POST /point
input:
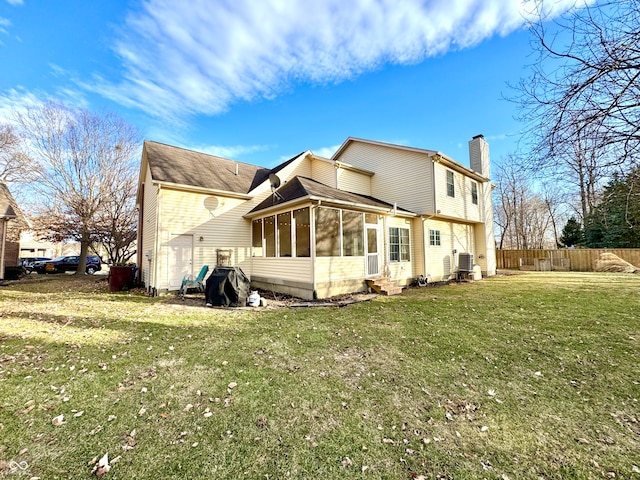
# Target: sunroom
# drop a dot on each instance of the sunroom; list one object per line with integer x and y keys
{"x": 314, "y": 241}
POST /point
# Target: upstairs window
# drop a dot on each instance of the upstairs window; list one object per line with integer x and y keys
{"x": 451, "y": 189}
{"x": 474, "y": 193}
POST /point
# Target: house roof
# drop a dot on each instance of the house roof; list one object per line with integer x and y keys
{"x": 180, "y": 166}
{"x": 302, "y": 187}
{"x": 436, "y": 155}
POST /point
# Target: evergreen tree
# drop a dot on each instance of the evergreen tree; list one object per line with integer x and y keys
{"x": 615, "y": 222}
{"x": 572, "y": 234}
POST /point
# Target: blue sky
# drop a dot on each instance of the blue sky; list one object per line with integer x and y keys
{"x": 261, "y": 80}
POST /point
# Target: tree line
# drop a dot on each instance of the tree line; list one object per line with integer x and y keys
{"x": 575, "y": 179}
{"x": 76, "y": 169}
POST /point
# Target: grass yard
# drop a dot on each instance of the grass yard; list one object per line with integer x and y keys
{"x": 531, "y": 376}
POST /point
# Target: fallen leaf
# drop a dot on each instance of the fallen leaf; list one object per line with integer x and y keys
{"x": 233, "y": 385}
{"x": 142, "y": 411}
{"x": 102, "y": 467}
{"x": 59, "y": 420}
{"x": 96, "y": 430}
{"x": 347, "y": 462}
{"x": 28, "y": 409}
{"x": 188, "y": 407}
{"x": 111, "y": 418}
{"x": 484, "y": 428}
{"x": 78, "y": 414}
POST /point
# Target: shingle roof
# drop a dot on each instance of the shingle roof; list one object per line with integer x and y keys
{"x": 186, "y": 167}
{"x": 300, "y": 187}
{"x": 6, "y": 203}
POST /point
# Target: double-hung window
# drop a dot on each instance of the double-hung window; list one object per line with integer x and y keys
{"x": 399, "y": 244}
{"x": 451, "y": 189}
{"x": 434, "y": 238}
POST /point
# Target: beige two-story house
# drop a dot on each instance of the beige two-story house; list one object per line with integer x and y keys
{"x": 316, "y": 227}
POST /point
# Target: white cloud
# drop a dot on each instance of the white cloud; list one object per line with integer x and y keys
{"x": 326, "y": 152}
{"x": 202, "y": 58}
{"x": 19, "y": 100}
{"x": 230, "y": 151}
{"x": 16, "y": 101}
{"x": 15, "y": 2}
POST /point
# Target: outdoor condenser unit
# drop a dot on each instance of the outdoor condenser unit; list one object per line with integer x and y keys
{"x": 465, "y": 262}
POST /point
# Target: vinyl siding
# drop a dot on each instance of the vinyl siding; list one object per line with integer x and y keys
{"x": 400, "y": 271}
{"x": 441, "y": 261}
{"x": 339, "y": 268}
{"x": 354, "y": 182}
{"x": 278, "y": 269}
{"x": 401, "y": 176}
{"x": 459, "y": 206}
{"x": 186, "y": 213}
{"x": 149, "y": 226}
{"x": 417, "y": 247}
{"x": 324, "y": 172}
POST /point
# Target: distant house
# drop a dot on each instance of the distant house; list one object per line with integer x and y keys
{"x": 315, "y": 227}
{"x": 12, "y": 222}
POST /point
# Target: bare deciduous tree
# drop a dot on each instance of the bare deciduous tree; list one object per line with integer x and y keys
{"x": 525, "y": 219}
{"x": 116, "y": 226}
{"x": 582, "y": 101}
{"x": 585, "y": 86}
{"x": 15, "y": 166}
{"x": 82, "y": 160}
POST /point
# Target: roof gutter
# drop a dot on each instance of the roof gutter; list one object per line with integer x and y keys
{"x": 453, "y": 165}
{"x": 326, "y": 201}
{"x": 210, "y": 191}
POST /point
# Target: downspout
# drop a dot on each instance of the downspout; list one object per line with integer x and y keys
{"x": 425, "y": 236}
{"x": 156, "y": 243}
{"x": 385, "y": 245}
{"x": 312, "y": 247}
{"x": 3, "y": 240}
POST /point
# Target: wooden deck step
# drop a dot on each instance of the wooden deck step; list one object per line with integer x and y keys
{"x": 384, "y": 286}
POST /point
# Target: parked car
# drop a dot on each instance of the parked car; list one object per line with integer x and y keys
{"x": 68, "y": 263}
{"x": 27, "y": 262}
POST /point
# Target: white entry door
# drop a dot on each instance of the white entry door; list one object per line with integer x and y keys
{"x": 180, "y": 259}
{"x": 373, "y": 262}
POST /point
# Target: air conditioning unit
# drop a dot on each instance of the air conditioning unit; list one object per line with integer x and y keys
{"x": 465, "y": 262}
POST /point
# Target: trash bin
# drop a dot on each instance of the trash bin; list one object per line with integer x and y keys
{"x": 120, "y": 277}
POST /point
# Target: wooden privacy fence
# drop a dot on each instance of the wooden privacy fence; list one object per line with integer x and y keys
{"x": 577, "y": 260}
